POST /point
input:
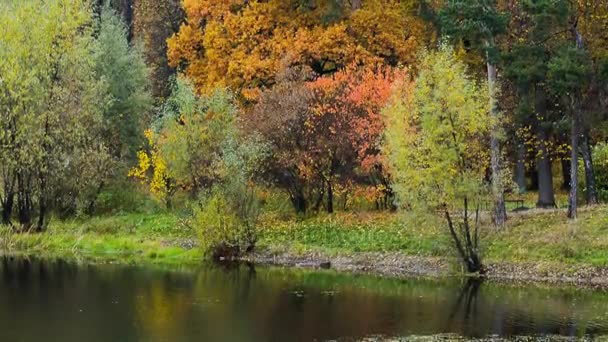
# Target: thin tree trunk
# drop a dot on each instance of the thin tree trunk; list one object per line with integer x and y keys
{"x": 576, "y": 121}
{"x": 355, "y": 5}
{"x": 520, "y": 167}
{"x": 572, "y": 197}
{"x": 500, "y": 212}
{"x": 8, "y": 200}
{"x": 591, "y": 189}
{"x": 24, "y": 201}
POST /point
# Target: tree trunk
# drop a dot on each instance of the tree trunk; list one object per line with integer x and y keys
{"x": 42, "y": 215}
{"x": 355, "y": 5}
{"x": 520, "y": 167}
{"x": 565, "y": 173}
{"x": 319, "y": 200}
{"x": 298, "y": 200}
{"x": 129, "y": 19}
{"x": 533, "y": 175}
{"x": 8, "y": 200}
{"x": 576, "y": 121}
{"x": 591, "y": 189}
{"x": 546, "y": 195}
{"x": 469, "y": 249}
{"x": 7, "y": 207}
{"x": 330, "y": 197}
{"x": 572, "y": 197}
{"x": 500, "y": 212}
{"x": 24, "y": 201}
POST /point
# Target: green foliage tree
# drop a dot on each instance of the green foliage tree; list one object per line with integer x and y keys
{"x": 478, "y": 22}
{"x": 526, "y": 65}
{"x": 227, "y": 215}
{"x": 569, "y": 74}
{"x": 51, "y": 102}
{"x": 437, "y": 143}
{"x": 122, "y": 66}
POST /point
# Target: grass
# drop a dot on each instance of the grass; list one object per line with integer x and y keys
{"x": 533, "y": 236}
{"x": 127, "y": 238}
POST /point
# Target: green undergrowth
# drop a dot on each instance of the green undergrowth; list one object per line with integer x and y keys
{"x": 129, "y": 238}
{"x": 534, "y": 236}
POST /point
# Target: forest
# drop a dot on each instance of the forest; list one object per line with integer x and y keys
{"x": 225, "y": 129}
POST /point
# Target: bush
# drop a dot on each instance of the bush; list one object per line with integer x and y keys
{"x": 227, "y": 222}
{"x": 227, "y": 216}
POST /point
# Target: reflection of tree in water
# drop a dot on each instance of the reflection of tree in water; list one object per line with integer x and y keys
{"x": 466, "y": 307}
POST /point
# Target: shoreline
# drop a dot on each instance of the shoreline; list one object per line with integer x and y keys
{"x": 400, "y": 266}
{"x": 391, "y": 265}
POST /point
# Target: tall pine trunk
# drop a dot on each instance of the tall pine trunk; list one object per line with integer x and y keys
{"x": 500, "y": 212}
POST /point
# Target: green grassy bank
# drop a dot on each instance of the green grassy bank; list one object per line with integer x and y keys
{"x": 544, "y": 238}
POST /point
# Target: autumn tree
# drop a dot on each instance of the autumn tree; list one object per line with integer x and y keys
{"x": 243, "y": 45}
{"x": 185, "y": 144}
{"x": 479, "y": 23}
{"x": 325, "y": 132}
{"x": 437, "y": 143}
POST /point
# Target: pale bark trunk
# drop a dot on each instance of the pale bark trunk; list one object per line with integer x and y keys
{"x": 572, "y": 197}
{"x": 576, "y": 121}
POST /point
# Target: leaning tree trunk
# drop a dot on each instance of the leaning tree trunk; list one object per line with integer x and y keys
{"x": 574, "y": 133}
{"x": 591, "y": 189}
{"x": 468, "y": 250}
{"x": 500, "y": 212}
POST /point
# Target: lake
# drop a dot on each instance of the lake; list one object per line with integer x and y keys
{"x": 65, "y": 301}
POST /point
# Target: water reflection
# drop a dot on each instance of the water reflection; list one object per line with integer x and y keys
{"x": 241, "y": 303}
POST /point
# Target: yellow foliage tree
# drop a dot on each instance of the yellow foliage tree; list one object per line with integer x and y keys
{"x": 244, "y": 44}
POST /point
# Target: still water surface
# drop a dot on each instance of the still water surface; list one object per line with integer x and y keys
{"x": 61, "y": 301}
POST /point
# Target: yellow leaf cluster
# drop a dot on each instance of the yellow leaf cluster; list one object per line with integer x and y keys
{"x": 243, "y": 45}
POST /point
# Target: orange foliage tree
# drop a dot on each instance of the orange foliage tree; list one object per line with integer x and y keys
{"x": 244, "y": 44}
{"x": 326, "y": 133}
